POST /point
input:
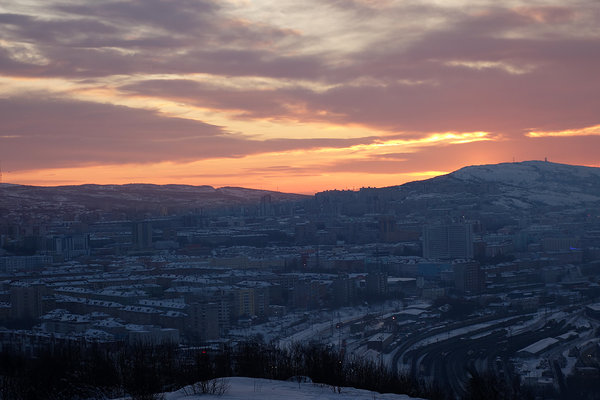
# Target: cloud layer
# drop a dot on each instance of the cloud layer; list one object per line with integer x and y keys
{"x": 353, "y": 89}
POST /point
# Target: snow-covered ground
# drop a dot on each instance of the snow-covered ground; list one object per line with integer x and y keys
{"x": 265, "y": 389}
{"x": 528, "y": 183}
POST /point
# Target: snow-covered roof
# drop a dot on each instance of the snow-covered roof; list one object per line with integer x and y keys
{"x": 594, "y": 307}
{"x": 539, "y": 346}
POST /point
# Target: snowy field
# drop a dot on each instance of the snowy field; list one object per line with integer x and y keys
{"x": 265, "y": 389}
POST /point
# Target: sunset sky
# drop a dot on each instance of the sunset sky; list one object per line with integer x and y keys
{"x": 296, "y": 96}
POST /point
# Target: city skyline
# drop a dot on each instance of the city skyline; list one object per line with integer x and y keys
{"x": 298, "y": 98}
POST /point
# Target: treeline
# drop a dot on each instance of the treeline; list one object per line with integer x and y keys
{"x": 326, "y": 365}
{"x": 143, "y": 371}
{"x": 74, "y": 372}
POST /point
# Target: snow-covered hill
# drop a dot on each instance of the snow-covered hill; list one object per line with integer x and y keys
{"x": 528, "y": 173}
{"x": 538, "y": 181}
{"x": 520, "y": 185}
{"x": 264, "y": 389}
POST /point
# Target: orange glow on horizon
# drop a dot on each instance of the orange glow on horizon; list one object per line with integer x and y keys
{"x": 171, "y": 173}
{"x": 296, "y": 171}
{"x": 267, "y": 94}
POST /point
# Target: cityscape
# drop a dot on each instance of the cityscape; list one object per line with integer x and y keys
{"x": 316, "y": 199}
{"x": 476, "y": 272}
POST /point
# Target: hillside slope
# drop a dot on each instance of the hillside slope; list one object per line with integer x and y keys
{"x": 515, "y": 185}
{"x": 265, "y": 389}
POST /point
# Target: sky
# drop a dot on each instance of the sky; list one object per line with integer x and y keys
{"x": 295, "y": 96}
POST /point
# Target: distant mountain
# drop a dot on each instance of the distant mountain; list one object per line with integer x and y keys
{"x": 513, "y": 188}
{"x": 520, "y": 185}
{"x": 132, "y": 197}
{"x": 523, "y": 186}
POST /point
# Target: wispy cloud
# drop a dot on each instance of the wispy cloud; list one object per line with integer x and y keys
{"x": 481, "y": 65}
{"x": 587, "y": 131}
